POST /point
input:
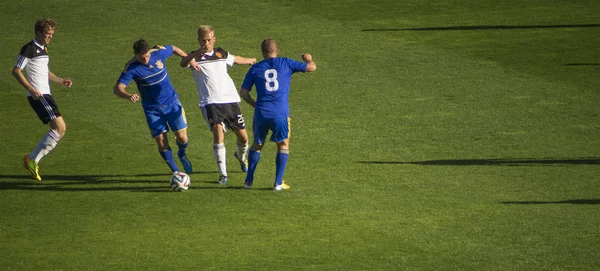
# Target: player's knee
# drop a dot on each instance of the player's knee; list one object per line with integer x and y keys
{"x": 256, "y": 147}
{"x": 163, "y": 147}
{"x": 243, "y": 139}
{"x": 182, "y": 138}
{"x": 61, "y": 132}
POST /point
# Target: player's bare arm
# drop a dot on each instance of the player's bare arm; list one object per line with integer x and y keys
{"x": 240, "y": 60}
{"x": 311, "y": 66}
{"x": 60, "y": 80}
{"x": 245, "y": 94}
{"x": 119, "y": 90}
{"x": 189, "y": 61}
{"x": 35, "y": 94}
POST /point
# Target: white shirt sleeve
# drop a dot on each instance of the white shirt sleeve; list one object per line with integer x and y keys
{"x": 21, "y": 62}
{"x": 230, "y": 60}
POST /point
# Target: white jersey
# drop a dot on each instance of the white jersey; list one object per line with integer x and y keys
{"x": 34, "y": 59}
{"x": 212, "y": 81}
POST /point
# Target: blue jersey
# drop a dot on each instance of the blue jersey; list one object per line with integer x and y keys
{"x": 272, "y": 79}
{"x": 153, "y": 81}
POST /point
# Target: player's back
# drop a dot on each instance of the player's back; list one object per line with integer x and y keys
{"x": 272, "y": 78}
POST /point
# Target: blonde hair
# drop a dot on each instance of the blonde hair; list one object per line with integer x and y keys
{"x": 205, "y": 29}
{"x": 44, "y": 24}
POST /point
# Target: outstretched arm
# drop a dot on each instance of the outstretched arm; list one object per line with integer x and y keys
{"x": 119, "y": 90}
{"x": 311, "y": 66}
{"x": 188, "y": 59}
{"x": 245, "y": 94}
{"x": 244, "y": 60}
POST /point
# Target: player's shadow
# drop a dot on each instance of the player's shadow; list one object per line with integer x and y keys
{"x": 582, "y": 64}
{"x": 496, "y": 162}
{"x": 481, "y": 27}
{"x": 77, "y": 183}
{"x": 572, "y": 201}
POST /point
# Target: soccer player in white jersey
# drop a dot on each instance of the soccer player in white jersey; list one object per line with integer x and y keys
{"x": 33, "y": 59}
{"x": 159, "y": 100}
{"x": 272, "y": 78}
{"x": 219, "y": 97}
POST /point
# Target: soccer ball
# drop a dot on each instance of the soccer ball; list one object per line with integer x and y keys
{"x": 180, "y": 181}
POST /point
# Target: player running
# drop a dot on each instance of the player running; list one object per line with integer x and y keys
{"x": 219, "y": 97}
{"x": 272, "y": 78}
{"x": 160, "y": 101}
{"x": 34, "y": 60}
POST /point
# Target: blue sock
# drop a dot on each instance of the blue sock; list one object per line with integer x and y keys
{"x": 280, "y": 162}
{"x": 253, "y": 158}
{"x": 182, "y": 148}
{"x": 168, "y": 157}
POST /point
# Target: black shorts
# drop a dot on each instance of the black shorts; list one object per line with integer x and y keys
{"x": 45, "y": 108}
{"x": 229, "y": 115}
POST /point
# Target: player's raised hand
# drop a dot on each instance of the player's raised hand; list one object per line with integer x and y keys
{"x": 306, "y": 57}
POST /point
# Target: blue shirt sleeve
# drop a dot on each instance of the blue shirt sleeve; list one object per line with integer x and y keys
{"x": 248, "y": 80}
{"x": 166, "y": 51}
{"x": 126, "y": 77}
{"x": 297, "y": 66}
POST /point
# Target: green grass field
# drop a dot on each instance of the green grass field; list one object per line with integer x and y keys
{"x": 434, "y": 135}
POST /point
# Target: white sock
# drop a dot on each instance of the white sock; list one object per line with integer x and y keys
{"x": 242, "y": 150}
{"x": 46, "y": 145}
{"x": 219, "y": 151}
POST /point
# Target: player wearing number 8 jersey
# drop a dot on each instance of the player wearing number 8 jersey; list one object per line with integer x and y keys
{"x": 272, "y": 78}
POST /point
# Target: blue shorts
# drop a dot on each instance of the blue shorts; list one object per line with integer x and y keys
{"x": 261, "y": 127}
{"x": 162, "y": 117}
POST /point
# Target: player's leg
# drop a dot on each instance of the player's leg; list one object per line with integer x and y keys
{"x": 235, "y": 121}
{"x": 281, "y": 160}
{"x": 49, "y": 140}
{"x": 260, "y": 129}
{"x": 214, "y": 114}
{"x": 242, "y": 149}
{"x": 182, "y": 144}
{"x": 165, "y": 151}
{"x": 157, "y": 122}
{"x": 253, "y": 159}
{"x": 220, "y": 152}
{"x": 178, "y": 123}
{"x": 48, "y": 113}
{"x": 281, "y": 135}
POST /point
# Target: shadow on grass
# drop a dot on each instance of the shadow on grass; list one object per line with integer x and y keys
{"x": 496, "y": 162}
{"x": 481, "y": 27}
{"x": 582, "y": 64}
{"x": 573, "y": 201}
{"x": 76, "y": 183}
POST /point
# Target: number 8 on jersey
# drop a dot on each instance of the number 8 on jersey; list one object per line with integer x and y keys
{"x": 271, "y": 77}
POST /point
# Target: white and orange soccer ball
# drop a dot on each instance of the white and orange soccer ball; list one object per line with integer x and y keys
{"x": 180, "y": 181}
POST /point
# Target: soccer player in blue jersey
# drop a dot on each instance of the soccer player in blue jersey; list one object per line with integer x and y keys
{"x": 34, "y": 60}
{"x": 272, "y": 78}
{"x": 159, "y": 99}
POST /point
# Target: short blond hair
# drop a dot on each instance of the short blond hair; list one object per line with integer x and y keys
{"x": 205, "y": 29}
{"x": 44, "y": 24}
